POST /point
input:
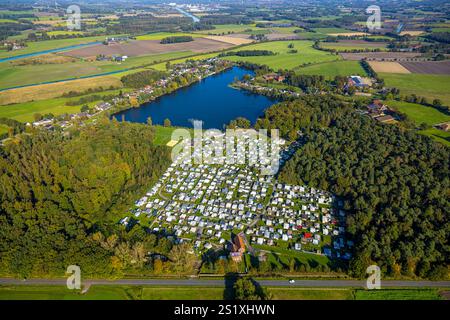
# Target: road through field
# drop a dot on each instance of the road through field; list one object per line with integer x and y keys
{"x": 223, "y": 282}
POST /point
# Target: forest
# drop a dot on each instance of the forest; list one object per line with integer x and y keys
{"x": 63, "y": 194}
{"x": 395, "y": 183}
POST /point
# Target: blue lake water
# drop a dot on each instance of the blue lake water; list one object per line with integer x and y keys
{"x": 210, "y": 100}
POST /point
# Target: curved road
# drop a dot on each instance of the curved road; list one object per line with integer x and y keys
{"x": 222, "y": 283}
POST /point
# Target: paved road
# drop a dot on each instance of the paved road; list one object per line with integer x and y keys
{"x": 221, "y": 283}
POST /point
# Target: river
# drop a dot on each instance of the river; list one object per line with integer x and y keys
{"x": 211, "y": 100}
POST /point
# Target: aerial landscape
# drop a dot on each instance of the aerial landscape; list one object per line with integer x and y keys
{"x": 225, "y": 150}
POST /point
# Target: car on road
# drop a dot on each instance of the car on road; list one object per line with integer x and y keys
{"x": 291, "y": 281}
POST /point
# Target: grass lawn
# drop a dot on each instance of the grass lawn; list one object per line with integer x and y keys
{"x": 430, "y": 86}
{"x": 332, "y": 69}
{"x": 182, "y": 293}
{"x": 310, "y": 294}
{"x": 283, "y": 59}
{"x": 419, "y": 113}
{"x": 398, "y": 294}
{"x": 164, "y": 134}
{"x": 281, "y": 256}
{"x": 438, "y": 135}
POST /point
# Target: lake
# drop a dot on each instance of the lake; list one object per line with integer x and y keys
{"x": 211, "y": 100}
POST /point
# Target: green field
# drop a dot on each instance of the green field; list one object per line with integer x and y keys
{"x": 24, "y": 112}
{"x": 284, "y": 60}
{"x": 438, "y": 135}
{"x": 429, "y": 86}
{"x": 11, "y": 75}
{"x": 419, "y": 113}
{"x": 49, "y": 44}
{"x": 310, "y": 294}
{"x": 332, "y": 30}
{"x": 342, "y": 46}
{"x": 98, "y": 292}
{"x": 398, "y": 294}
{"x": 182, "y": 293}
{"x": 332, "y": 69}
{"x": 163, "y": 134}
{"x": 230, "y": 28}
{"x": 280, "y": 256}
{"x": 3, "y": 129}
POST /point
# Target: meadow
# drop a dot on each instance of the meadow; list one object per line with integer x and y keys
{"x": 231, "y": 28}
{"x": 49, "y": 44}
{"x": 419, "y": 113}
{"x": 353, "y": 45}
{"x": 398, "y": 294}
{"x": 425, "y": 85}
{"x": 438, "y": 135}
{"x": 54, "y": 90}
{"x": 333, "y": 69}
{"x": 284, "y": 60}
{"x": 12, "y": 75}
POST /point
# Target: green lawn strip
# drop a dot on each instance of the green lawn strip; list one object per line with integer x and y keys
{"x": 310, "y": 294}
{"x": 419, "y": 113}
{"x": 430, "y": 86}
{"x": 182, "y": 293}
{"x": 397, "y": 294}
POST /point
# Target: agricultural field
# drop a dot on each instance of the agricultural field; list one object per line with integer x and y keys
{"x": 438, "y": 135}
{"x": 12, "y": 74}
{"x": 145, "y": 47}
{"x": 49, "y": 45}
{"x": 382, "y": 56}
{"x": 333, "y": 69}
{"x": 24, "y": 112}
{"x": 284, "y": 60}
{"x": 429, "y": 86}
{"x": 419, "y": 113}
{"x": 162, "y": 35}
{"x": 54, "y": 90}
{"x": 388, "y": 67}
{"x": 347, "y": 45}
{"x": 428, "y": 67}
